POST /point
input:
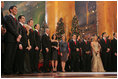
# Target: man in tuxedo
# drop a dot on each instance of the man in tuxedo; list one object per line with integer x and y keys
{"x": 105, "y": 51}
{"x": 32, "y": 43}
{"x": 37, "y": 46}
{"x": 46, "y": 49}
{"x": 114, "y": 52}
{"x": 23, "y": 44}
{"x": 80, "y": 52}
{"x": 3, "y": 31}
{"x": 86, "y": 53}
{"x": 12, "y": 38}
{"x": 74, "y": 47}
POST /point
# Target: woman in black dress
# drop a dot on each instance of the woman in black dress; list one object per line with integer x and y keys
{"x": 64, "y": 52}
{"x": 55, "y": 47}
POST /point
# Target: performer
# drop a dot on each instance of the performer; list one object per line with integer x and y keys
{"x": 64, "y": 52}
{"x": 105, "y": 51}
{"x": 55, "y": 46}
{"x": 3, "y": 31}
{"x": 27, "y": 67}
{"x": 37, "y": 47}
{"x": 86, "y": 52}
{"x": 21, "y": 46}
{"x": 80, "y": 53}
{"x": 97, "y": 65}
{"x": 75, "y": 50}
{"x": 114, "y": 52}
{"x": 32, "y": 43}
{"x": 46, "y": 49}
{"x": 12, "y": 37}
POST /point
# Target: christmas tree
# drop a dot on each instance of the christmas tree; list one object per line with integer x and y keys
{"x": 60, "y": 28}
{"x": 75, "y": 26}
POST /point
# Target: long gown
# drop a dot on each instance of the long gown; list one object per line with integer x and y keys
{"x": 97, "y": 65}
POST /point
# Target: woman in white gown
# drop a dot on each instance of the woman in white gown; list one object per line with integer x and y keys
{"x": 97, "y": 65}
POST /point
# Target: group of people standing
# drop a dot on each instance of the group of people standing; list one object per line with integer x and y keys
{"x": 23, "y": 45}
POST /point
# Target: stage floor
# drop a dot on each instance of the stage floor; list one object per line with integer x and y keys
{"x": 65, "y": 75}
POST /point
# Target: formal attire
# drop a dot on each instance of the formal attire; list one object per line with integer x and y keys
{"x": 64, "y": 50}
{"x": 74, "y": 55}
{"x": 54, "y": 50}
{"x": 80, "y": 55}
{"x": 97, "y": 65}
{"x": 31, "y": 52}
{"x": 20, "y": 54}
{"x": 46, "y": 43}
{"x": 114, "y": 50}
{"x": 38, "y": 44}
{"x": 105, "y": 56}
{"x": 2, "y": 41}
{"x": 11, "y": 43}
{"x": 86, "y": 57}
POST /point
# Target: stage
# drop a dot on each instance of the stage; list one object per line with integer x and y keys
{"x": 65, "y": 75}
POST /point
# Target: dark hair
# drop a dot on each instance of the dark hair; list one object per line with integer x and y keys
{"x": 35, "y": 26}
{"x": 11, "y": 7}
{"x": 114, "y": 34}
{"x": 53, "y": 36}
{"x": 103, "y": 33}
{"x": 19, "y": 17}
{"x": 29, "y": 20}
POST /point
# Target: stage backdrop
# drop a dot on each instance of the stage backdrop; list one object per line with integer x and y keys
{"x": 31, "y": 9}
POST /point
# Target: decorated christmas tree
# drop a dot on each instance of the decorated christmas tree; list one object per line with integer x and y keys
{"x": 75, "y": 26}
{"x": 60, "y": 28}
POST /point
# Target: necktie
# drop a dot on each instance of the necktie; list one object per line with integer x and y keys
{"x": 38, "y": 33}
{"x": 31, "y": 30}
{"x": 15, "y": 19}
{"x": 75, "y": 42}
{"x": 86, "y": 42}
{"x": 105, "y": 41}
{"x": 23, "y": 26}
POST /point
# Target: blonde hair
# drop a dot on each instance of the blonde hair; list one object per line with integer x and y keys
{"x": 27, "y": 28}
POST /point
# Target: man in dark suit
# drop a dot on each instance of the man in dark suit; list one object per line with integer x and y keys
{"x": 105, "y": 51}
{"x": 80, "y": 52}
{"x": 12, "y": 37}
{"x": 3, "y": 31}
{"x": 21, "y": 49}
{"x": 46, "y": 49}
{"x": 32, "y": 43}
{"x": 74, "y": 47}
{"x": 37, "y": 46}
{"x": 86, "y": 53}
{"x": 114, "y": 52}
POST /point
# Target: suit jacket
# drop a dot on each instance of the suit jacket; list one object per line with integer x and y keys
{"x": 24, "y": 40}
{"x": 46, "y": 43}
{"x": 114, "y": 45}
{"x": 12, "y": 30}
{"x": 37, "y": 39}
{"x": 31, "y": 38}
{"x": 104, "y": 45}
{"x": 73, "y": 46}
{"x": 85, "y": 47}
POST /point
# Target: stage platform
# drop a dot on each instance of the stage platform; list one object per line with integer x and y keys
{"x": 65, "y": 75}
